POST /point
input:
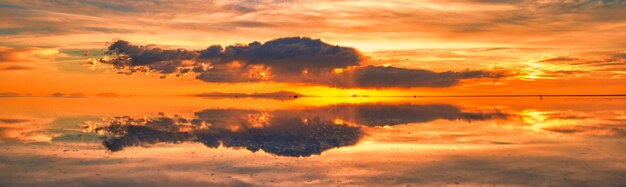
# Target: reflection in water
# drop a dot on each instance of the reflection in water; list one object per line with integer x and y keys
{"x": 284, "y": 136}
{"x": 265, "y": 142}
{"x": 380, "y": 115}
{"x": 21, "y": 128}
{"x": 302, "y": 132}
{"x": 596, "y": 123}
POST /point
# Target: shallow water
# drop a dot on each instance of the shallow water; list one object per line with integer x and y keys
{"x": 154, "y": 141}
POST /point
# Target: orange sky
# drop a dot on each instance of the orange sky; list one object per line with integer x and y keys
{"x": 546, "y": 47}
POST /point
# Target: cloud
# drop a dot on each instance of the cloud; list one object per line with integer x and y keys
{"x": 291, "y": 60}
{"x": 9, "y": 94}
{"x": 9, "y": 55}
{"x": 76, "y": 94}
{"x": 497, "y": 23}
{"x": 288, "y": 55}
{"x": 284, "y": 55}
{"x": 107, "y": 94}
{"x": 13, "y": 120}
{"x": 384, "y": 77}
{"x": 605, "y": 64}
{"x": 559, "y": 59}
{"x": 31, "y": 58}
{"x": 356, "y": 77}
{"x": 160, "y": 60}
{"x": 16, "y": 68}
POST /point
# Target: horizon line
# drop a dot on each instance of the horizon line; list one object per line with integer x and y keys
{"x": 287, "y": 96}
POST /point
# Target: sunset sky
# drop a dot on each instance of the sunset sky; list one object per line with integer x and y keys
{"x": 329, "y": 48}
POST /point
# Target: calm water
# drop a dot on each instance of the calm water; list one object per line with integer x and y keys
{"x": 187, "y": 141}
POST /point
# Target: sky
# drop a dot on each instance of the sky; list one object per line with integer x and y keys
{"x": 325, "y": 48}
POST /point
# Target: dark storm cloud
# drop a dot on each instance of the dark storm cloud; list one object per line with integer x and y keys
{"x": 225, "y": 74}
{"x": 146, "y": 55}
{"x": 292, "y": 60}
{"x": 135, "y": 58}
{"x": 287, "y": 55}
{"x": 383, "y": 77}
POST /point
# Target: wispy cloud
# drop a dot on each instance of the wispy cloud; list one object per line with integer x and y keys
{"x": 606, "y": 65}
{"x": 21, "y": 59}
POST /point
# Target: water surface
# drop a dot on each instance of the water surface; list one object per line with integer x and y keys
{"x": 148, "y": 141}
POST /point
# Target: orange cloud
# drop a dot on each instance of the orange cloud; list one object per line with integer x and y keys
{"x": 20, "y": 59}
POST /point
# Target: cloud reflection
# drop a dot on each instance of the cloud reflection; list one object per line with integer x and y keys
{"x": 286, "y": 136}
{"x": 303, "y": 132}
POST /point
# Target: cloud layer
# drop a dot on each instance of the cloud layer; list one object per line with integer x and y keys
{"x": 554, "y": 23}
{"x": 291, "y": 60}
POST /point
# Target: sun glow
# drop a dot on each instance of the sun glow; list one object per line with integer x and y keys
{"x": 532, "y": 72}
{"x": 341, "y": 70}
{"x": 343, "y": 122}
{"x": 259, "y": 72}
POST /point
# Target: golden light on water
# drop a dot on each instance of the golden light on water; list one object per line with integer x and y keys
{"x": 397, "y": 136}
